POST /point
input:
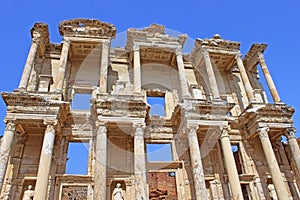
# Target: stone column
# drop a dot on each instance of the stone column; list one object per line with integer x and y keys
{"x": 211, "y": 75}
{"x": 245, "y": 79}
{"x": 137, "y": 69}
{"x": 140, "y": 163}
{"x": 41, "y": 186}
{"x": 259, "y": 188}
{"x": 268, "y": 77}
{"x": 277, "y": 178}
{"x": 181, "y": 73}
{"x": 104, "y": 66}
{"x": 5, "y": 148}
{"x": 230, "y": 164}
{"x": 196, "y": 162}
{"x": 294, "y": 147}
{"x": 100, "y": 162}
{"x": 60, "y": 76}
{"x": 30, "y": 61}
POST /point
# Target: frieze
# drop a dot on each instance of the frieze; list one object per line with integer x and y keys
{"x": 87, "y": 27}
{"x": 74, "y": 192}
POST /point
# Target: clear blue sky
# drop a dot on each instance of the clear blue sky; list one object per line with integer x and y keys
{"x": 276, "y": 23}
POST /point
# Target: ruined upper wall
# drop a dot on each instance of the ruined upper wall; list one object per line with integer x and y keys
{"x": 87, "y": 28}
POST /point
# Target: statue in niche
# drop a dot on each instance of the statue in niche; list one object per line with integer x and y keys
{"x": 118, "y": 192}
{"x": 28, "y": 194}
{"x": 272, "y": 192}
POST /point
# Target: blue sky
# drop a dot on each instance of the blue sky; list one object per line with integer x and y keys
{"x": 276, "y": 23}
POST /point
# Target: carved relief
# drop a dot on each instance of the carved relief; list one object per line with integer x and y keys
{"x": 74, "y": 192}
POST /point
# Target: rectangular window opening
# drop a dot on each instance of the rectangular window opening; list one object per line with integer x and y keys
{"x": 236, "y": 153}
{"x": 157, "y": 104}
{"x": 81, "y": 101}
{"x": 245, "y": 191}
{"x": 159, "y": 152}
{"x": 77, "y": 158}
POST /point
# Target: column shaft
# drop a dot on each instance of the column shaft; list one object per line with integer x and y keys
{"x": 268, "y": 77}
{"x": 104, "y": 67}
{"x": 211, "y": 75}
{"x": 137, "y": 69}
{"x": 42, "y": 181}
{"x": 140, "y": 164}
{"x": 181, "y": 74}
{"x": 277, "y": 179}
{"x": 197, "y": 167}
{"x": 60, "y": 76}
{"x": 230, "y": 164}
{"x": 245, "y": 79}
{"x": 294, "y": 147}
{"x": 30, "y": 60}
{"x": 100, "y": 163}
{"x": 5, "y": 149}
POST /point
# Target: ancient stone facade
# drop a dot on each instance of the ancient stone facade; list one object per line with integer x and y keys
{"x": 228, "y": 140}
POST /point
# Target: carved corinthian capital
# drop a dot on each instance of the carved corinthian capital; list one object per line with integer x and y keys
{"x": 50, "y": 125}
{"x": 225, "y": 131}
{"x": 290, "y": 132}
{"x": 263, "y": 132}
{"x": 36, "y": 37}
{"x": 101, "y": 127}
{"x": 10, "y": 124}
{"x": 139, "y": 129}
{"x": 192, "y": 129}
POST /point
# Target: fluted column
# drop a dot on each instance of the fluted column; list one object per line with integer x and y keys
{"x": 244, "y": 76}
{"x": 277, "y": 178}
{"x": 5, "y": 148}
{"x": 211, "y": 75}
{"x": 181, "y": 74}
{"x": 137, "y": 81}
{"x": 60, "y": 76}
{"x": 140, "y": 163}
{"x": 100, "y": 162}
{"x": 42, "y": 180}
{"x": 104, "y": 66}
{"x": 230, "y": 164}
{"x": 268, "y": 77}
{"x": 30, "y": 61}
{"x": 196, "y": 161}
{"x": 294, "y": 147}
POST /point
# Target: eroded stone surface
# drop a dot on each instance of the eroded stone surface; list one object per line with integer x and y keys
{"x": 224, "y": 134}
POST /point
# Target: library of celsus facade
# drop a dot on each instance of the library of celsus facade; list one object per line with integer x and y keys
{"x": 228, "y": 136}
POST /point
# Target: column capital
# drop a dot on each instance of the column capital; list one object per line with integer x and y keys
{"x": 178, "y": 51}
{"x": 225, "y": 131}
{"x": 263, "y": 132}
{"x": 192, "y": 127}
{"x": 205, "y": 53}
{"x": 66, "y": 41}
{"x": 238, "y": 56}
{"x": 261, "y": 57}
{"x": 36, "y": 37}
{"x": 50, "y": 125}
{"x": 136, "y": 47}
{"x": 105, "y": 43}
{"x": 290, "y": 132}
{"x": 139, "y": 129}
{"x": 52, "y": 122}
{"x": 10, "y": 124}
{"x": 101, "y": 127}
